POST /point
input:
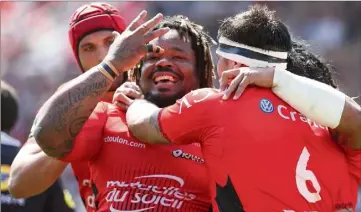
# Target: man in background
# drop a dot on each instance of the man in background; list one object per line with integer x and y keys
{"x": 90, "y": 35}
{"x": 51, "y": 200}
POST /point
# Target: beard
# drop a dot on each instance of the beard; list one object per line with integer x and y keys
{"x": 163, "y": 101}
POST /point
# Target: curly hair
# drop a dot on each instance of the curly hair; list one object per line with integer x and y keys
{"x": 304, "y": 63}
{"x": 201, "y": 43}
{"x": 257, "y": 27}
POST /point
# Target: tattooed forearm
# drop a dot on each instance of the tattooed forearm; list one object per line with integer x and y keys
{"x": 63, "y": 115}
{"x": 154, "y": 125}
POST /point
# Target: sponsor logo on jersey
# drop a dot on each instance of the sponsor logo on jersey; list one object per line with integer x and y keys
{"x": 180, "y": 154}
{"x": 147, "y": 193}
{"x": 286, "y": 113}
{"x": 119, "y": 140}
{"x": 266, "y": 106}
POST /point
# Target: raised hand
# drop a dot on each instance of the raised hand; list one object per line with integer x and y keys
{"x": 130, "y": 46}
{"x": 238, "y": 79}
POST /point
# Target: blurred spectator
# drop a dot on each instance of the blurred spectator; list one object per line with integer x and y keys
{"x": 52, "y": 200}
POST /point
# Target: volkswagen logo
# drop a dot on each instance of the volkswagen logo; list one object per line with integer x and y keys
{"x": 266, "y": 106}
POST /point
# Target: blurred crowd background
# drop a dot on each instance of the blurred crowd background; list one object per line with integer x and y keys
{"x": 36, "y": 56}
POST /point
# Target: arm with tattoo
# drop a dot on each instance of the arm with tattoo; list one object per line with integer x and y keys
{"x": 142, "y": 119}
{"x": 187, "y": 121}
{"x": 63, "y": 115}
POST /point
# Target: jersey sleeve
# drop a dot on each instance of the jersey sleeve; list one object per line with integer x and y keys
{"x": 82, "y": 175}
{"x": 188, "y": 120}
{"x": 89, "y": 140}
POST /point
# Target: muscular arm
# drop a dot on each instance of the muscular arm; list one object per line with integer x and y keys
{"x": 322, "y": 104}
{"x": 184, "y": 122}
{"x": 142, "y": 119}
{"x": 349, "y": 129}
{"x": 32, "y": 171}
{"x": 64, "y": 113}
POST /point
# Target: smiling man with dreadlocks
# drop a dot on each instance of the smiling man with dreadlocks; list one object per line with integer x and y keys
{"x": 182, "y": 68}
{"x": 126, "y": 174}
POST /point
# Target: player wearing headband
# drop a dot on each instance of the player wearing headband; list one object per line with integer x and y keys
{"x": 262, "y": 154}
{"x": 125, "y": 173}
{"x": 90, "y": 35}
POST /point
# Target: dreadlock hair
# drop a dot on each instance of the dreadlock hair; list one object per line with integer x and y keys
{"x": 304, "y": 63}
{"x": 257, "y": 27}
{"x": 201, "y": 43}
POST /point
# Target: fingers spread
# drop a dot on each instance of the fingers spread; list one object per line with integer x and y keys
{"x": 155, "y": 34}
{"x": 144, "y": 28}
{"x": 138, "y": 20}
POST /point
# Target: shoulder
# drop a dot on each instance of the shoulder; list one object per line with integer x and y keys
{"x": 205, "y": 92}
{"x": 213, "y": 97}
{"x": 256, "y": 93}
{"x": 200, "y": 96}
{"x": 255, "y": 99}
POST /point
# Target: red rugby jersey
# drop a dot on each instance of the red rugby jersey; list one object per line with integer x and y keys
{"x": 82, "y": 174}
{"x": 128, "y": 175}
{"x": 263, "y": 155}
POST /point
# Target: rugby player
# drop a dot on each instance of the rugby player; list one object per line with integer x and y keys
{"x": 127, "y": 174}
{"x": 52, "y": 199}
{"x": 90, "y": 35}
{"x": 261, "y": 153}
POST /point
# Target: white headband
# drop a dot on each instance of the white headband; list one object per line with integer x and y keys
{"x": 281, "y": 55}
{"x": 248, "y": 61}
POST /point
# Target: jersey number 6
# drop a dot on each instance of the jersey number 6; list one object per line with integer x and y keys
{"x": 302, "y": 175}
